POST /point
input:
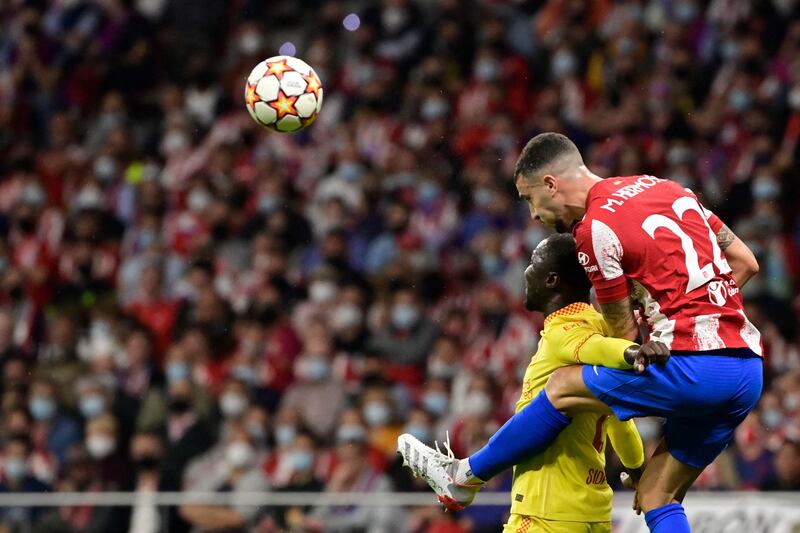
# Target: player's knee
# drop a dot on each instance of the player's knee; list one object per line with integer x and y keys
{"x": 649, "y": 500}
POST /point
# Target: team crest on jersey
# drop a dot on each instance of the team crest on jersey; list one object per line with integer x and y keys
{"x": 716, "y": 293}
{"x": 583, "y": 258}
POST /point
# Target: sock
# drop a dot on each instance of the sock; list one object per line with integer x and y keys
{"x": 465, "y": 475}
{"x": 524, "y": 435}
{"x": 668, "y": 519}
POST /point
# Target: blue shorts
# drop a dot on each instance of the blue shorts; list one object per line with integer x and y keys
{"x": 703, "y": 398}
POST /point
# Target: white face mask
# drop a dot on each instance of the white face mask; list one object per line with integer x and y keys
{"x": 100, "y": 446}
{"x": 322, "y": 291}
{"x": 239, "y": 455}
{"x": 198, "y": 200}
{"x": 232, "y": 404}
{"x": 478, "y": 404}
{"x": 174, "y": 141}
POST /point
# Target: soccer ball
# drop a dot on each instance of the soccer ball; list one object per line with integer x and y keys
{"x": 283, "y": 94}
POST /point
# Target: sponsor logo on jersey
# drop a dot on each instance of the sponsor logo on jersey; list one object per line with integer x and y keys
{"x": 716, "y": 293}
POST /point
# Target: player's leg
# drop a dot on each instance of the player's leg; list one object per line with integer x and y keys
{"x": 661, "y": 491}
{"x": 692, "y": 443}
{"x": 535, "y": 427}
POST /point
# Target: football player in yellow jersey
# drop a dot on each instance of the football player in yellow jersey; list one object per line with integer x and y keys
{"x": 564, "y": 488}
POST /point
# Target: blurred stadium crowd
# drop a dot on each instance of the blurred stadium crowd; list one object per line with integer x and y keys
{"x": 191, "y": 303}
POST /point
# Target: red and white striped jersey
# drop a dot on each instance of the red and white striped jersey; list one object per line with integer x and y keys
{"x": 650, "y": 238}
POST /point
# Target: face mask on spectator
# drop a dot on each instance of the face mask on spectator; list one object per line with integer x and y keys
{"x": 249, "y": 43}
{"x": 739, "y": 99}
{"x": 301, "y": 460}
{"x": 377, "y": 413}
{"x": 284, "y": 434}
{"x": 440, "y": 369}
{"x": 349, "y": 170}
{"x": 428, "y": 192}
{"x": 686, "y": 11}
{"x": 177, "y": 371}
{"x": 239, "y": 454}
{"x": 404, "y": 316}
{"x": 794, "y": 98}
{"x": 564, "y": 64}
{"x": 478, "y": 404}
{"x": 92, "y": 405}
{"x": 198, "y": 200}
{"x": 232, "y": 404}
{"x": 491, "y": 264}
{"x": 174, "y": 141}
{"x": 393, "y": 18}
{"x": 433, "y": 108}
{"x": 771, "y": 418}
{"x": 347, "y": 316}
{"x": 483, "y": 197}
{"x": 244, "y": 373}
{"x": 791, "y": 402}
{"x": 314, "y": 368}
{"x": 350, "y": 433}
{"x": 423, "y": 433}
{"x": 487, "y": 70}
{"x": 105, "y": 168}
{"x": 322, "y": 291}
{"x": 257, "y": 432}
{"x": 15, "y": 468}
{"x": 100, "y": 446}
{"x": 42, "y": 407}
{"x": 267, "y": 204}
{"x": 766, "y": 188}
{"x": 729, "y": 50}
{"x": 435, "y": 402}
{"x": 33, "y": 195}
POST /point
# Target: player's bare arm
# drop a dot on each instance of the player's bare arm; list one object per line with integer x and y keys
{"x": 740, "y": 258}
{"x": 619, "y": 316}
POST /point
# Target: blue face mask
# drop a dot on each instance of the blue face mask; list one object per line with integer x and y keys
{"x": 284, "y": 435}
{"x": 267, "y": 204}
{"x": 435, "y": 403}
{"x": 301, "y": 461}
{"x": 147, "y": 238}
{"x": 15, "y": 468}
{"x": 177, "y": 371}
{"x": 316, "y": 368}
{"x": 377, "y": 413}
{"x": 91, "y": 406}
{"x": 491, "y": 264}
{"x": 771, "y": 418}
{"x": 350, "y": 433}
{"x": 739, "y": 99}
{"x": 404, "y": 316}
{"x": 423, "y": 433}
{"x": 428, "y": 192}
{"x": 42, "y": 408}
{"x": 244, "y": 374}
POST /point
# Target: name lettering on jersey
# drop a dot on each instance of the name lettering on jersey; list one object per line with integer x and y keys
{"x": 592, "y": 268}
{"x": 596, "y": 477}
{"x": 629, "y": 191}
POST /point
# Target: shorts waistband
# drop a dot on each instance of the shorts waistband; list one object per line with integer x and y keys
{"x": 739, "y": 353}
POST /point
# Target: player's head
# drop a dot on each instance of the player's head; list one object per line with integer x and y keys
{"x": 554, "y": 270}
{"x": 545, "y": 176}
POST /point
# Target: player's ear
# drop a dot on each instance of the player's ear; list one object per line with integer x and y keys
{"x": 552, "y": 280}
{"x": 550, "y": 182}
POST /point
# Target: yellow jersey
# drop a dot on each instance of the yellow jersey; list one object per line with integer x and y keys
{"x": 567, "y": 481}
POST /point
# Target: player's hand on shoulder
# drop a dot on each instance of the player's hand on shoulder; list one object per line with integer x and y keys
{"x": 648, "y": 353}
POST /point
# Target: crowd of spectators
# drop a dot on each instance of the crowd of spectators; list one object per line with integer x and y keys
{"x": 190, "y": 302}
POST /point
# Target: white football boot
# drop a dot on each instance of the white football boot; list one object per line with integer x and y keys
{"x": 439, "y": 470}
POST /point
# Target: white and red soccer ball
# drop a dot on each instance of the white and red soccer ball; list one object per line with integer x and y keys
{"x": 283, "y": 94}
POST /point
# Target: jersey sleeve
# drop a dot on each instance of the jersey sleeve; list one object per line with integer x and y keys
{"x": 580, "y": 344}
{"x": 600, "y": 253}
{"x": 626, "y": 442}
